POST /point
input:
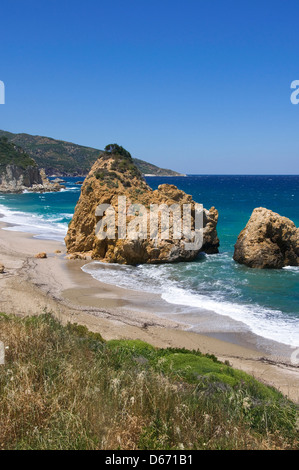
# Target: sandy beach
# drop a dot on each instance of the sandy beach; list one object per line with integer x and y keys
{"x": 31, "y": 286}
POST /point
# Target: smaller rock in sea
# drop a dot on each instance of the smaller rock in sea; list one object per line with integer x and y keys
{"x": 269, "y": 241}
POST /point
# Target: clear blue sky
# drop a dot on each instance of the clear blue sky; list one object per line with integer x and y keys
{"x": 197, "y": 86}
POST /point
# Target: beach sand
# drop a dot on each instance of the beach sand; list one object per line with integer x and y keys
{"x": 33, "y": 286}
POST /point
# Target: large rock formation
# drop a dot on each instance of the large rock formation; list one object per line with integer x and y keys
{"x": 19, "y": 172}
{"x": 113, "y": 175}
{"x": 268, "y": 241}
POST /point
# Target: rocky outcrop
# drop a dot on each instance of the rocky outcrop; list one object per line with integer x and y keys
{"x": 58, "y": 180}
{"x": 268, "y": 241}
{"x": 15, "y": 179}
{"x": 113, "y": 175}
{"x": 48, "y": 185}
{"x": 19, "y": 172}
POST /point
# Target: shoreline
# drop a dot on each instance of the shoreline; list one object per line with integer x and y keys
{"x": 32, "y": 286}
{"x": 211, "y": 323}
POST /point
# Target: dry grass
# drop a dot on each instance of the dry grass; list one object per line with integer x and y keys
{"x": 64, "y": 388}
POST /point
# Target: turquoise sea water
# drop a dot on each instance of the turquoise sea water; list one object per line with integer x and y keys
{"x": 266, "y": 302}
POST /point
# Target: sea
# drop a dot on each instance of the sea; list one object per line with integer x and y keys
{"x": 263, "y": 302}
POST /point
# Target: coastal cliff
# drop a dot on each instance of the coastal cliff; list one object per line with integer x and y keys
{"x": 269, "y": 241}
{"x": 19, "y": 172}
{"x": 113, "y": 175}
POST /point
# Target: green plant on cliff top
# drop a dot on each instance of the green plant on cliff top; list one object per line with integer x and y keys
{"x": 115, "y": 149}
{"x": 123, "y": 161}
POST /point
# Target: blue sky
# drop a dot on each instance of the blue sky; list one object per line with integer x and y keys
{"x": 197, "y": 86}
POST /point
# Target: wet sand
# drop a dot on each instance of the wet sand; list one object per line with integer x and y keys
{"x": 57, "y": 285}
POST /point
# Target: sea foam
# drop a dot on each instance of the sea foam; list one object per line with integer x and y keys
{"x": 266, "y": 322}
{"x": 43, "y": 228}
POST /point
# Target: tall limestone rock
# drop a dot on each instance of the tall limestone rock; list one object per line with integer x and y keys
{"x": 113, "y": 175}
{"x": 268, "y": 241}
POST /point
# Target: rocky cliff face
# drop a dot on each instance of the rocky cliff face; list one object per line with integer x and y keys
{"x": 15, "y": 179}
{"x": 268, "y": 241}
{"x": 114, "y": 175}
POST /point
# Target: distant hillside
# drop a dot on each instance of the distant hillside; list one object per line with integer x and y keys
{"x": 55, "y": 156}
{"x": 150, "y": 169}
{"x": 65, "y": 158}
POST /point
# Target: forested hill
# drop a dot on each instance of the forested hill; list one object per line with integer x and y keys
{"x": 11, "y": 154}
{"x": 68, "y": 159}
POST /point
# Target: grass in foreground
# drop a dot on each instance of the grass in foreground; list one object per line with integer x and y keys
{"x": 66, "y": 388}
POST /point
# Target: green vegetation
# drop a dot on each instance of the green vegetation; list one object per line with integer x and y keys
{"x": 114, "y": 149}
{"x": 193, "y": 366}
{"x": 122, "y": 168}
{"x": 123, "y": 161}
{"x": 64, "y": 387}
{"x": 56, "y": 156}
{"x": 11, "y": 154}
{"x": 89, "y": 189}
{"x": 66, "y": 158}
